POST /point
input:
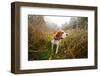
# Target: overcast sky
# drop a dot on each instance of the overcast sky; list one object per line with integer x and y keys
{"x": 57, "y": 19}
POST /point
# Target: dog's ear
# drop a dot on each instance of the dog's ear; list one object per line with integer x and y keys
{"x": 58, "y": 35}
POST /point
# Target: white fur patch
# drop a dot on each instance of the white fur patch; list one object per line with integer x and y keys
{"x": 55, "y": 41}
{"x": 64, "y": 35}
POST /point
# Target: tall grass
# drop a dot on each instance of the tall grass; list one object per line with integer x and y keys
{"x": 73, "y": 46}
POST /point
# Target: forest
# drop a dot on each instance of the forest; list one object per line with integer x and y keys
{"x": 40, "y": 33}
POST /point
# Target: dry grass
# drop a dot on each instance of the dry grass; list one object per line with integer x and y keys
{"x": 74, "y": 46}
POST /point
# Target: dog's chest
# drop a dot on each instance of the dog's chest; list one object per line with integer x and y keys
{"x": 55, "y": 41}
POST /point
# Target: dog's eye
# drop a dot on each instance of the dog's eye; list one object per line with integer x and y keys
{"x": 66, "y": 34}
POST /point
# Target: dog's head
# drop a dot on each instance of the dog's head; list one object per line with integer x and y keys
{"x": 60, "y": 35}
{"x": 64, "y": 35}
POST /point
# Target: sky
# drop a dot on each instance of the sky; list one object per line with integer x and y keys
{"x": 57, "y": 19}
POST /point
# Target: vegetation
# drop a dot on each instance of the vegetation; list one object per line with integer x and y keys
{"x": 73, "y": 46}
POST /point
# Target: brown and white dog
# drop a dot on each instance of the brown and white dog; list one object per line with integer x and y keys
{"x": 58, "y": 36}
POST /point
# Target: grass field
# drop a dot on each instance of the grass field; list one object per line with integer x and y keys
{"x": 40, "y": 32}
{"x": 72, "y": 47}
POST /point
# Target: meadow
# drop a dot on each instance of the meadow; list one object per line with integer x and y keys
{"x": 74, "y": 46}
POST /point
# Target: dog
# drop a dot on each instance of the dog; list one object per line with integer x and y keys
{"x": 58, "y": 36}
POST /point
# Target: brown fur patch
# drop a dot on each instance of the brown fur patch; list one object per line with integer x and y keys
{"x": 58, "y": 35}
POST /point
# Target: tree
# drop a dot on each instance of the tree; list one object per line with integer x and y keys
{"x": 77, "y": 23}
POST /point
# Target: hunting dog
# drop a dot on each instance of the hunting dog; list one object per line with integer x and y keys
{"x": 58, "y": 36}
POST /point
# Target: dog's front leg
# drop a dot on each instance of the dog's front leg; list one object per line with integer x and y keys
{"x": 52, "y": 47}
{"x": 57, "y": 48}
